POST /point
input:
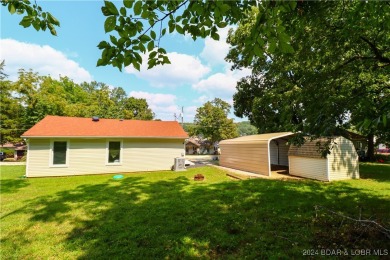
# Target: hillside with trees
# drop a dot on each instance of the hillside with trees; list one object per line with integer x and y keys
{"x": 31, "y": 97}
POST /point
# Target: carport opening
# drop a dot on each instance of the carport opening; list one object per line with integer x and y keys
{"x": 278, "y": 149}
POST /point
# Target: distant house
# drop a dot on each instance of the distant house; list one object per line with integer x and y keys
{"x": 192, "y": 146}
{"x": 195, "y": 145}
{"x": 19, "y": 149}
{"x": 60, "y": 146}
{"x": 359, "y": 141}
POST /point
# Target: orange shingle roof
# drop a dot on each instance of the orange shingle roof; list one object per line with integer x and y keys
{"x": 58, "y": 126}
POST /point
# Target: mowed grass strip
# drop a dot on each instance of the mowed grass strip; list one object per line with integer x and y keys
{"x": 169, "y": 215}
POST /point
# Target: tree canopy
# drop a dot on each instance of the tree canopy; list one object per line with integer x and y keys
{"x": 337, "y": 78}
{"x": 137, "y": 27}
{"x": 212, "y": 123}
{"x": 31, "y": 97}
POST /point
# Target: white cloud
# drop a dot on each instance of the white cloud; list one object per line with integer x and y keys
{"x": 163, "y": 105}
{"x": 214, "y": 52}
{"x": 221, "y": 85}
{"x": 189, "y": 113}
{"x": 41, "y": 58}
{"x": 184, "y": 69}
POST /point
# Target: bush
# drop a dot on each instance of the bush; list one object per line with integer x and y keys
{"x": 382, "y": 158}
{"x": 8, "y": 152}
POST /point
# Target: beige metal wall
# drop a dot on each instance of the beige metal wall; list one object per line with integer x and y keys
{"x": 89, "y": 156}
{"x": 283, "y": 152}
{"x": 343, "y": 162}
{"x": 312, "y": 168}
{"x": 251, "y": 157}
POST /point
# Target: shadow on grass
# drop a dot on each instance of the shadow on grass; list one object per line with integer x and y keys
{"x": 13, "y": 185}
{"x": 178, "y": 218}
{"x": 375, "y": 171}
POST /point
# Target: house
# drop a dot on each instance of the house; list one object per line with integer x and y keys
{"x": 61, "y": 146}
{"x": 192, "y": 146}
{"x": 19, "y": 149}
{"x": 359, "y": 141}
{"x": 342, "y": 162}
{"x": 195, "y": 145}
{"x": 256, "y": 153}
{"x": 265, "y": 153}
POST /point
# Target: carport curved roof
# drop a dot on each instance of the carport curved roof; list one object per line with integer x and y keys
{"x": 262, "y": 138}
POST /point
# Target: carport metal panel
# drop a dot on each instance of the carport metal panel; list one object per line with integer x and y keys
{"x": 249, "y": 153}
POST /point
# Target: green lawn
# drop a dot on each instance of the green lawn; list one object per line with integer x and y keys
{"x": 168, "y": 215}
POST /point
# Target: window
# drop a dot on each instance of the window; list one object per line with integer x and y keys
{"x": 59, "y": 152}
{"x": 114, "y": 152}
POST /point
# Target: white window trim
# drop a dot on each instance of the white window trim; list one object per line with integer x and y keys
{"x": 51, "y": 165}
{"x": 120, "y": 152}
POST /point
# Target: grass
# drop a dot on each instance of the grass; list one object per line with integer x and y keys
{"x": 168, "y": 215}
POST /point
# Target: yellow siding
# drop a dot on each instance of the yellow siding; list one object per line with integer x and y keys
{"x": 245, "y": 156}
{"x": 312, "y": 168}
{"x": 88, "y": 156}
{"x": 343, "y": 160}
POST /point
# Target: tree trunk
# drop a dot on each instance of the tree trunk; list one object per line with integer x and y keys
{"x": 370, "y": 150}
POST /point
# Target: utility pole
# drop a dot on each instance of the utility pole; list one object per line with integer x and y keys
{"x": 182, "y": 116}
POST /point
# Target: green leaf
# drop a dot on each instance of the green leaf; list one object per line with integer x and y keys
{"x": 103, "y": 45}
{"x": 109, "y": 24}
{"x": 222, "y": 24}
{"x": 179, "y": 29}
{"x": 37, "y": 24}
{"x": 152, "y": 54}
{"x": 224, "y": 8}
{"x": 144, "y": 38}
{"x": 123, "y": 11}
{"x": 150, "y": 45}
{"x": 113, "y": 39}
{"x": 215, "y": 36}
{"x": 111, "y": 8}
{"x": 163, "y": 31}
{"x": 138, "y": 57}
{"x": 138, "y": 8}
{"x": 52, "y": 19}
{"x": 151, "y": 63}
{"x": 257, "y": 50}
{"x": 100, "y": 62}
{"x": 128, "y": 60}
{"x": 171, "y": 27}
{"x": 142, "y": 47}
{"x": 136, "y": 65}
{"x": 11, "y": 8}
{"x": 153, "y": 35}
{"x": 384, "y": 119}
{"x": 105, "y": 11}
{"x": 128, "y": 3}
{"x": 286, "y": 47}
{"x": 26, "y": 21}
{"x": 271, "y": 46}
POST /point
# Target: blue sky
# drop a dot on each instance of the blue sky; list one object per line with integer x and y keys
{"x": 198, "y": 72}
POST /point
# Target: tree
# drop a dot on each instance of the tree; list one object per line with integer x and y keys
{"x": 211, "y": 121}
{"x": 31, "y": 97}
{"x": 245, "y": 128}
{"x": 11, "y": 111}
{"x": 337, "y": 77}
{"x": 137, "y": 27}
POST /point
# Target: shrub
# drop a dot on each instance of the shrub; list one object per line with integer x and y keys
{"x": 8, "y": 152}
{"x": 382, "y": 158}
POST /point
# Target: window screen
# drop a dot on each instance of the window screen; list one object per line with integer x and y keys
{"x": 114, "y": 149}
{"x": 59, "y": 152}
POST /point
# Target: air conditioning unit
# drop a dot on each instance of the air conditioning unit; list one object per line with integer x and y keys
{"x": 179, "y": 164}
